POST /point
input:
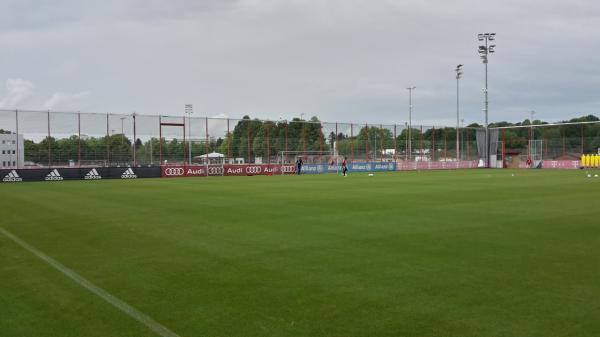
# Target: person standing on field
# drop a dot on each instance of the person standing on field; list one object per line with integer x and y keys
{"x": 299, "y": 165}
{"x": 344, "y": 167}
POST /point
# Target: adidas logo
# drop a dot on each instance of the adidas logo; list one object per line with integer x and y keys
{"x": 12, "y": 177}
{"x": 92, "y": 175}
{"x": 54, "y": 175}
{"x": 128, "y": 174}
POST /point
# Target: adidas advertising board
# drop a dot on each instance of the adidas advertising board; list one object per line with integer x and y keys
{"x": 12, "y": 177}
{"x": 72, "y": 173}
{"x": 54, "y": 175}
{"x": 92, "y": 175}
{"x": 128, "y": 174}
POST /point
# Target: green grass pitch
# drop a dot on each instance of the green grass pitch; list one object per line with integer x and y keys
{"x": 438, "y": 253}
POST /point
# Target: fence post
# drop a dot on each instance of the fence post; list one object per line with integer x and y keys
{"x": 503, "y": 148}
{"x": 468, "y": 144}
{"x": 445, "y": 144}
{"x": 49, "y": 142}
{"x": 582, "y": 141}
{"x": 406, "y": 154}
{"x": 320, "y": 143}
{"x": 352, "y": 142}
{"x": 160, "y": 155}
{"x": 135, "y": 142}
{"x": 79, "y": 138}
{"x": 185, "y": 144}
{"x": 207, "y": 147}
{"x": 304, "y": 138}
{"x": 107, "y": 141}
{"x": 562, "y": 132}
{"x": 433, "y": 144}
{"x": 228, "y": 141}
{"x": 335, "y": 149}
{"x": 422, "y": 144}
{"x": 268, "y": 143}
{"x": 286, "y": 140}
{"x": 382, "y": 145}
{"x": 18, "y": 146}
{"x": 367, "y": 142}
{"x": 395, "y": 145}
{"x": 249, "y": 140}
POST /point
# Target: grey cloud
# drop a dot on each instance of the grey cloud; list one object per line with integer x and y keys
{"x": 339, "y": 60}
{"x": 17, "y": 92}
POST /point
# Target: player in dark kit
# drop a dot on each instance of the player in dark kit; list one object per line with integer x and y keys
{"x": 344, "y": 167}
{"x": 299, "y": 165}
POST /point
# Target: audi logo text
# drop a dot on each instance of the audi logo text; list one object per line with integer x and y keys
{"x": 215, "y": 170}
{"x": 174, "y": 171}
{"x": 253, "y": 169}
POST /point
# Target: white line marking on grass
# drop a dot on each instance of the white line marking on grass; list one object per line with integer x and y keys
{"x": 117, "y": 303}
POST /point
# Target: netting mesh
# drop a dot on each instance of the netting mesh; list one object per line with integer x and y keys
{"x": 530, "y": 143}
{"x": 72, "y": 138}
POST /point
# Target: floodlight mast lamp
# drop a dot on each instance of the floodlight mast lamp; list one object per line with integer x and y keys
{"x": 458, "y": 76}
{"x": 410, "y": 90}
{"x": 484, "y": 51}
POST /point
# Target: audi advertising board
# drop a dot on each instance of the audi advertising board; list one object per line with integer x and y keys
{"x": 173, "y": 171}
{"x": 79, "y": 173}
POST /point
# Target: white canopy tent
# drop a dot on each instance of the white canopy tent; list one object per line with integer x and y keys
{"x": 210, "y": 158}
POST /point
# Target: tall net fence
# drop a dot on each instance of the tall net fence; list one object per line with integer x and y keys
{"x": 63, "y": 139}
{"x": 527, "y": 145}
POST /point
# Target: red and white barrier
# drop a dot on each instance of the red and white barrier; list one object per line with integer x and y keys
{"x": 435, "y": 165}
{"x": 561, "y": 164}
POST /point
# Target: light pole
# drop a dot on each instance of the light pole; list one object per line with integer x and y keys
{"x": 410, "y": 90}
{"x": 189, "y": 110}
{"x": 458, "y": 76}
{"x": 462, "y": 140}
{"x": 406, "y": 144}
{"x": 484, "y": 51}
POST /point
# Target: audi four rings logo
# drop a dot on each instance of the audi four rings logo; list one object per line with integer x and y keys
{"x": 215, "y": 170}
{"x": 287, "y": 169}
{"x": 253, "y": 169}
{"x": 174, "y": 171}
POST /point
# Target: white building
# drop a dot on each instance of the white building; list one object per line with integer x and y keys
{"x": 12, "y": 152}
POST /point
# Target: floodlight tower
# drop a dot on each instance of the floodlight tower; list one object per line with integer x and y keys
{"x": 410, "y": 90}
{"x": 458, "y": 76}
{"x": 484, "y": 51}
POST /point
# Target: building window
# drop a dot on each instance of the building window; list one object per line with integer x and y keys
{"x": 3, "y": 164}
{"x": 13, "y": 151}
{"x": 3, "y": 142}
{"x": 14, "y": 163}
{"x": 3, "y": 151}
{"x": 14, "y": 142}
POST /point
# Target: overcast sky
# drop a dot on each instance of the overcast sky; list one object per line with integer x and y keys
{"x": 342, "y": 60}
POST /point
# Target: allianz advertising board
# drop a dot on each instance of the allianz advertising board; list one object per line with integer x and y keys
{"x": 353, "y": 167}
